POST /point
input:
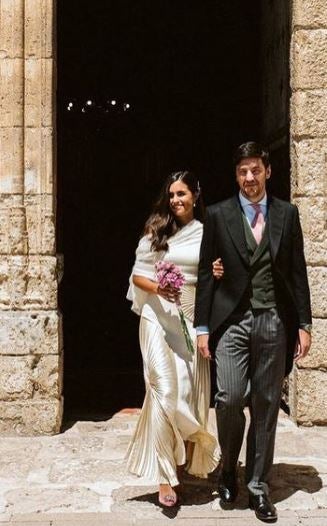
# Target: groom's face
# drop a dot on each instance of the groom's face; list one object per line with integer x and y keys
{"x": 251, "y": 175}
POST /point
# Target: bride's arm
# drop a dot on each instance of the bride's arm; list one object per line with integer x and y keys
{"x": 146, "y": 284}
{"x": 152, "y": 287}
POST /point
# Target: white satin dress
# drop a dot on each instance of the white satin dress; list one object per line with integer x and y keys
{"x": 176, "y": 404}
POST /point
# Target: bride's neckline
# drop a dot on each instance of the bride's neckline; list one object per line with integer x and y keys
{"x": 181, "y": 227}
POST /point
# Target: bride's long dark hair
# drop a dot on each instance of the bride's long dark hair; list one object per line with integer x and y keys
{"x": 162, "y": 223}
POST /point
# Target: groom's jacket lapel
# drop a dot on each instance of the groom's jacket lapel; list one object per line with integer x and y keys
{"x": 233, "y": 219}
{"x": 276, "y": 217}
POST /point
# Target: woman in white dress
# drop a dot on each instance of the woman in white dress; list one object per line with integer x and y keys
{"x": 172, "y": 428}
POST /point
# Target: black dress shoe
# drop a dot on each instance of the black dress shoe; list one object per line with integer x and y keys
{"x": 227, "y": 486}
{"x": 263, "y": 508}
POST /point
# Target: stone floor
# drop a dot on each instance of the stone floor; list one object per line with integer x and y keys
{"x": 79, "y": 478}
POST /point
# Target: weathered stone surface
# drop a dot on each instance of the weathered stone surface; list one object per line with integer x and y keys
{"x": 13, "y": 234}
{"x": 86, "y": 470}
{"x": 24, "y": 377}
{"x": 317, "y": 281}
{"x": 316, "y": 521}
{"x": 28, "y": 463}
{"x": 46, "y": 376}
{"x": 296, "y": 444}
{"x": 15, "y": 379}
{"x": 299, "y": 500}
{"x": 11, "y": 28}
{"x": 45, "y": 500}
{"x": 309, "y": 113}
{"x": 311, "y": 393}
{"x": 315, "y": 252}
{"x": 30, "y": 333}
{"x": 42, "y": 416}
{"x": 39, "y": 20}
{"x": 317, "y": 357}
{"x": 310, "y": 58}
{"x": 40, "y": 224}
{"x": 30, "y": 344}
{"x": 68, "y": 445}
{"x": 119, "y": 425}
{"x": 38, "y": 169}
{"x": 321, "y": 499}
{"x": 286, "y": 446}
{"x": 309, "y": 13}
{"x": 313, "y": 217}
{"x": 28, "y": 282}
{"x": 17, "y": 458}
{"x": 28, "y": 227}
{"x": 11, "y": 160}
{"x": 12, "y": 91}
{"x": 309, "y": 159}
{"x": 92, "y": 445}
{"x": 38, "y": 92}
{"x": 32, "y": 417}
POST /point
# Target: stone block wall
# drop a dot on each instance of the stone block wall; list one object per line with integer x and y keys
{"x": 308, "y": 384}
{"x": 30, "y": 326}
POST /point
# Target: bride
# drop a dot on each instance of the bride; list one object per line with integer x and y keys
{"x": 172, "y": 428}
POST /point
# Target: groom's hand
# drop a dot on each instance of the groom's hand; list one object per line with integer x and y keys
{"x": 203, "y": 345}
{"x": 302, "y": 345}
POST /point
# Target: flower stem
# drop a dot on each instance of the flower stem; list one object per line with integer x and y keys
{"x": 188, "y": 340}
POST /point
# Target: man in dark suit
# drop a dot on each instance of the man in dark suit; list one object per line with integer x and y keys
{"x": 259, "y": 313}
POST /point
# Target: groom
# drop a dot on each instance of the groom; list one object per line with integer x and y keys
{"x": 259, "y": 313}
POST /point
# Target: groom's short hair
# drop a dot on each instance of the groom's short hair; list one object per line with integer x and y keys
{"x": 251, "y": 149}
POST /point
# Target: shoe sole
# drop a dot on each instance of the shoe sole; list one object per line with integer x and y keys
{"x": 261, "y": 518}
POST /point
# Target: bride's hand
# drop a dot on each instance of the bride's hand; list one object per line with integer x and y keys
{"x": 218, "y": 268}
{"x": 169, "y": 293}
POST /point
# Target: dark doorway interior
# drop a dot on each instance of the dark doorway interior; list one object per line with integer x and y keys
{"x": 143, "y": 88}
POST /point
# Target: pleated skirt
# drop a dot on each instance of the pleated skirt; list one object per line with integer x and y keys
{"x": 176, "y": 404}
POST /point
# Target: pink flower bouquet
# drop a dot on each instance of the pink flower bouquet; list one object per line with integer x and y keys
{"x": 169, "y": 274}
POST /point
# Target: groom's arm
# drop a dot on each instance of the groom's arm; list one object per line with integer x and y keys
{"x": 206, "y": 280}
{"x": 301, "y": 289}
{"x": 299, "y": 273}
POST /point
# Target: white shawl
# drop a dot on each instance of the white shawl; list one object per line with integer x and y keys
{"x": 183, "y": 250}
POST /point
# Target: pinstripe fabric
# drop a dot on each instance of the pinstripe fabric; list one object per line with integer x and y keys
{"x": 250, "y": 360}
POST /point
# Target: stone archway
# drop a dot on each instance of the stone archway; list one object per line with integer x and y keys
{"x": 30, "y": 330}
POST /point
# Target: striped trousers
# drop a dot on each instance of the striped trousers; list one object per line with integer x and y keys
{"x": 250, "y": 360}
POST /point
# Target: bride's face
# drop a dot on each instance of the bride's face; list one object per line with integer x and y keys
{"x": 181, "y": 202}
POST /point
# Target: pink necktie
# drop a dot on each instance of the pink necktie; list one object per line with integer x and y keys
{"x": 258, "y": 223}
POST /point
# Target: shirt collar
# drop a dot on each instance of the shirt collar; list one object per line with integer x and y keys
{"x": 245, "y": 202}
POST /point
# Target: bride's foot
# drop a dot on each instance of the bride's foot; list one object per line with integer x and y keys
{"x": 167, "y": 496}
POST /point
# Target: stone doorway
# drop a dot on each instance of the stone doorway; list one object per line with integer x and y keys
{"x": 142, "y": 91}
{"x": 31, "y": 347}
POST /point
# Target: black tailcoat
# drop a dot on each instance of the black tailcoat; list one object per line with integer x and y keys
{"x": 223, "y": 236}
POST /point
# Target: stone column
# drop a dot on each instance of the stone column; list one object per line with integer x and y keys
{"x": 309, "y": 187}
{"x": 30, "y": 343}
